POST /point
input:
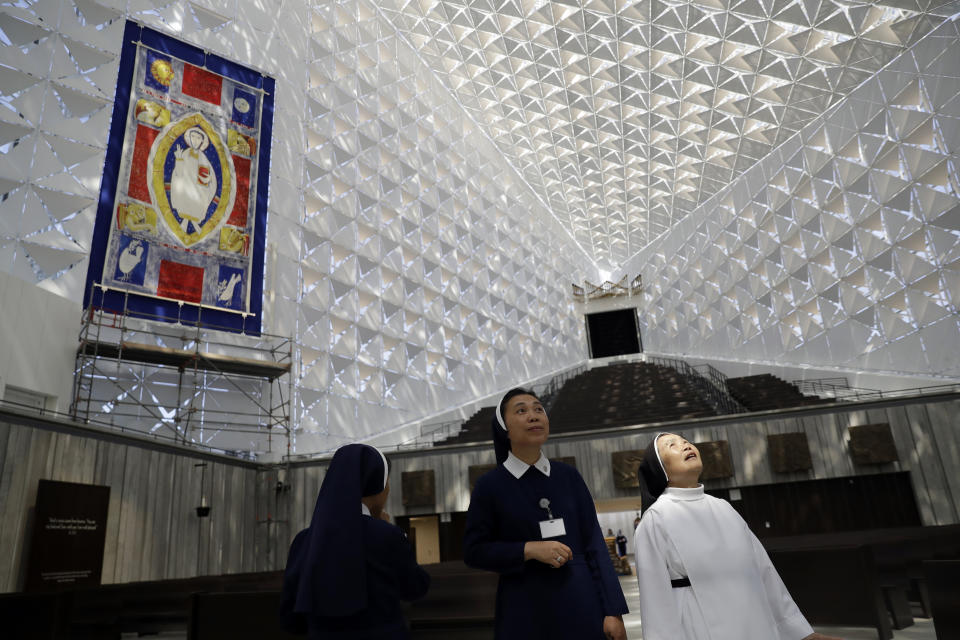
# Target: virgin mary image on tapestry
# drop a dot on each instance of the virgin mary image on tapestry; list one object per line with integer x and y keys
{"x": 181, "y": 222}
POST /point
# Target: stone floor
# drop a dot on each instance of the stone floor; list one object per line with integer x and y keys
{"x": 922, "y": 628}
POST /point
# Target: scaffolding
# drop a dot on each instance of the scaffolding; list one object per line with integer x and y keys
{"x": 193, "y": 384}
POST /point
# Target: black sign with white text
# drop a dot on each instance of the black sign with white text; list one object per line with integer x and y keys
{"x": 69, "y": 530}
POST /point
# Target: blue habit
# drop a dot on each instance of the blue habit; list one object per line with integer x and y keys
{"x": 392, "y": 575}
{"x": 535, "y": 600}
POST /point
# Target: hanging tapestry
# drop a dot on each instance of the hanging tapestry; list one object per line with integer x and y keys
{"x": 181, "y": 223}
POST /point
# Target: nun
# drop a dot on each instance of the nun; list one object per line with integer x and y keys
{"x": 621, "y": 543}
{"x": 532, "y": 520}
{"x": 347, "y": 573}
{"x": 702, "y": 573}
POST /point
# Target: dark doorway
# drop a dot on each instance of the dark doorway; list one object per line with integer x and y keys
{"x": 613, "y": 333}
{"x": 451, "y": 536}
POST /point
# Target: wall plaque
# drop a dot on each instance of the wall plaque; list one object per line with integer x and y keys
{"x": 625, "y": 465}
{"x": 717, "y": 462}
{"x": 872, "y": 444}
{"x": 418, "y": 488}
{"x": 789, "y": 452}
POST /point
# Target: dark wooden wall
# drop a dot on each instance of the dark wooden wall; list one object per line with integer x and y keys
{"x": 876, "y": 501}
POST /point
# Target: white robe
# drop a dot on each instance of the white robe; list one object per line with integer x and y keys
{"x": 735, "y": 592}
{"x": 193, "y": 186}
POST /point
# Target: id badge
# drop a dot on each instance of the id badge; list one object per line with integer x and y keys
{"x": 552, "y": 528}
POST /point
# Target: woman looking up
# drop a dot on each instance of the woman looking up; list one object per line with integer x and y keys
{"x": 347, "y": 573}
{"x": 533, "y": 522}
{"x": 703, "y": 575}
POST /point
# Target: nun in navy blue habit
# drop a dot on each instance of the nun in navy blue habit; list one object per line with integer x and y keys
{"x": 533, "y": 521}
{"x": 347, "y": 573}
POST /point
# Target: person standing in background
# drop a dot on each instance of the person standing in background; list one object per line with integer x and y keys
{"x": 348, "y": 571}
{"x": 621, "y": 543}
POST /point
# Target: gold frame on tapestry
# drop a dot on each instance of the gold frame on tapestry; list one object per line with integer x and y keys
{"x": 158, "y": 190}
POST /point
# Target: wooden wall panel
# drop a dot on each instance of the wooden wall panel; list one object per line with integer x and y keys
{"x": 932, "y": 458}
{"x": 249, "y": 501}
{"x": 912, "y": 438}
{"x": 214, "y": 542}
{"x": 945, "y": 445}
{"x": 4, "y": 439}
{"x": 173, "y": 562}
{"x": 29, "y": 457}
{"x": 231, "y": 550}
{"x": 157, "y": 512}
{"x": 109, "y": 471}
{"x": 127, "y": 540}
{"x": 12, "y": 505}
{"x": 151, "y": 531}
{"x": 190, "y": 533}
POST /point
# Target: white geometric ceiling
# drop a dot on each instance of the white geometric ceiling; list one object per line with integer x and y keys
{"x": 842, "y": 247}
{"x": 624, "y": 115}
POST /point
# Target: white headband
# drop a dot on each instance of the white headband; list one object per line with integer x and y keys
{"x": 656, "y": 450}
{"x": 500, "y": 415}
{"x": 385, "y": 470}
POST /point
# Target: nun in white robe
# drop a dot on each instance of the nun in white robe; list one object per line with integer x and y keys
{"x": 702, "y": 573}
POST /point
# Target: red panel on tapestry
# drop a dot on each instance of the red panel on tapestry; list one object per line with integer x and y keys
{"x": 201, "y": 84}
{"x": 238, "y": 217}
{"x": 180, "y": 281}
{"x": 137, "y": 186}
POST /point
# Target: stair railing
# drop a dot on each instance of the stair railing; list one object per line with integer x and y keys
{"x": 707, "y": 381}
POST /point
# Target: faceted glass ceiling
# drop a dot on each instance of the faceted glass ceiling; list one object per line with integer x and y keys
{"x": 624, "y": 115}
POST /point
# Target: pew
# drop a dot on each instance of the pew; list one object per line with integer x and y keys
{"x": 944, "y": 590}
{"x": 898, "y": 554}
{"x": 243, "y": 615}
{"x": 108, "y": 611}
{"x": 32, "y": 616}
{"x": 836, "y": 579}
{"x": 460, "y": 604}
{"x": 835, "y": 586}
{"x": 151, "y": 607}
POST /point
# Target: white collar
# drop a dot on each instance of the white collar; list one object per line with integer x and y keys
{"x": 364, "y": 509}
{"x": 518, "y": 467}
{"x": 693, "y": 493}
